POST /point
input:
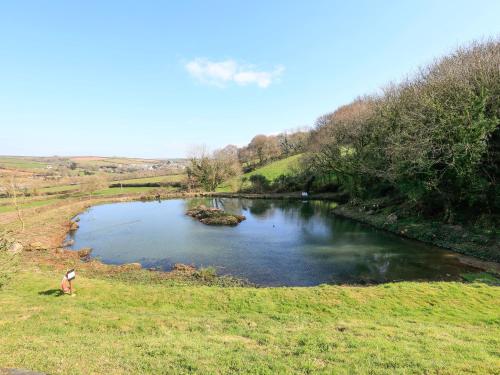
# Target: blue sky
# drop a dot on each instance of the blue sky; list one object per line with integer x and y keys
{"x": 154, "y": 78}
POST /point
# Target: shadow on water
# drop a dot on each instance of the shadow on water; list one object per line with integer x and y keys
{"x": 51, "y": 292}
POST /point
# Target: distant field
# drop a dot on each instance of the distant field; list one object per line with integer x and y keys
{"x": 6, "y": 204}
{"x": 14, "y": 172}
{"x": 95, "y": 162}
{"x": 130, "y": 161}
{"x": 125, "y": 190}
{"x": 99, "y": 160}
{"x": 31, "y": 204}
{"x": 146, "y": 180}
{"x": 169, "y": 178}
{"x": 57, "y": 189}
{"x": 271, "y": 171}
{"x": 21, "y": 163}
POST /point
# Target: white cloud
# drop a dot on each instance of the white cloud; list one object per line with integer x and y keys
{"x": 220, "y": 73}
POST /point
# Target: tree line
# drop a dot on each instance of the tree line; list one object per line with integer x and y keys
{"x": 208, "y": 170}
{"x": 431, "y": 141}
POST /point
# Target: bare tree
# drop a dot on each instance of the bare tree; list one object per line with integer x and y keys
{"x": 209, "y": 170}
{"x": 264, "y": 148}
{"x": 12, "y": 191}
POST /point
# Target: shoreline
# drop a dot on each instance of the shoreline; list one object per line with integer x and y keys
{"x": 465, "y": 249}
{"x": 403, "y": 230}
{"x": 464, "y": 257}
{"x": 54, "y": 237}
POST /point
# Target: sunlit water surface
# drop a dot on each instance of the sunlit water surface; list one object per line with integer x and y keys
{"x": 280, "y": 243}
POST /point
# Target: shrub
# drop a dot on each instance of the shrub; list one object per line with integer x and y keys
{"x": 206, "y": 273}
{"x": 285, "y": 183}
{"x": 8, "y": 261}
{"x": 259, "y": 183}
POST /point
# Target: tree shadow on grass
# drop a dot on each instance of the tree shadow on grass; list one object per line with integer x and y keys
{"x": 52, "y": 292}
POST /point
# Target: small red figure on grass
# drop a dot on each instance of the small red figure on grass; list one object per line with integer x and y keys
{"x": 66, "y": 286}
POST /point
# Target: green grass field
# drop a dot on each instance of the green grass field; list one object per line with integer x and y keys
{"x": 29, "y": 204}
{"x": 125, "y": 190}
{"x": 145, "y": 180}
{"x": 115, "y": 327}
{"x": 21, "y": 163}
{"x": 277, "y": 168}
{"x": 25, "y": 203}
{"x": 271, "y": 171}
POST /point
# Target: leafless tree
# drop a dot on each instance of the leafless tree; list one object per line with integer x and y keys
{"x": 210, "y": 169}
{"x": 13, "y": 192}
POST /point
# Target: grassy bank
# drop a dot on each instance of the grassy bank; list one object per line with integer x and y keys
{"x": 474, "y": 241}
{"x": 117, "y": 327}
{"x": 140, "y": 322}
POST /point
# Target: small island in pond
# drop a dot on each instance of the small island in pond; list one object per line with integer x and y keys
{"x": 214, "y": 216}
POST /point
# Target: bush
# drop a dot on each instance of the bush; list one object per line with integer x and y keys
{"x": 8, "y": 262}
{"x": 259, "y": 183}
{"x": 433, "y": 139}
{"x": 206, "y": 273}
{"x": 286, "y": 183}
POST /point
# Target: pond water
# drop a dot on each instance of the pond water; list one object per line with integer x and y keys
{"x": 280, "y": 243}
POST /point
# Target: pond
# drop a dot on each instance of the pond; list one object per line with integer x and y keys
{"x": 282, "y": 243}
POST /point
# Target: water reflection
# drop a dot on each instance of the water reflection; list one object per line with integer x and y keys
{"x": 281, "y": 243}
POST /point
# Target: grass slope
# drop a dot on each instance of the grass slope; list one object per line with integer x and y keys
{"x": 270, "y": 171}
{"x": 117, "y": 327}
{"x": 276, "y": 168}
